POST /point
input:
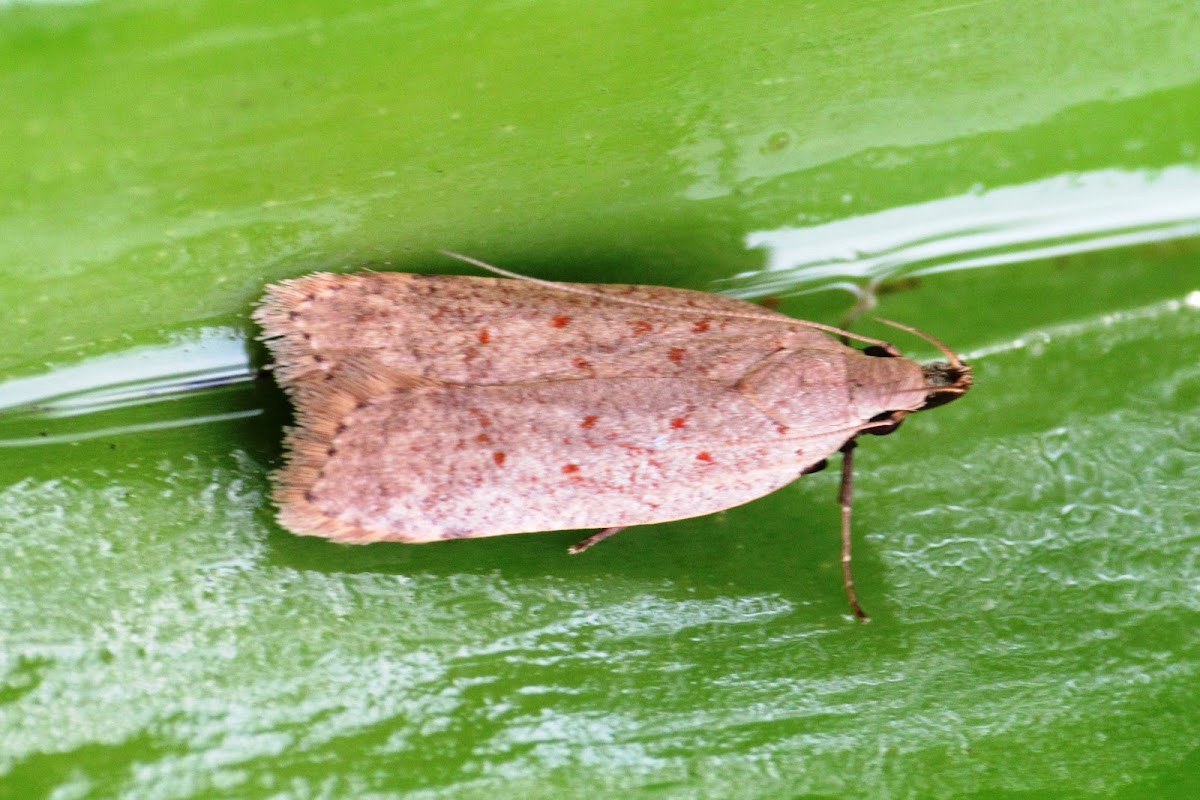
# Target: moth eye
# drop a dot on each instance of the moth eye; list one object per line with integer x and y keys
{"x": 877, "y": 352}
{"x": 893, "y": 417}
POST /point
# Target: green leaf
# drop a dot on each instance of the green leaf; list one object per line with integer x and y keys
{"x": 1020, "y": 179}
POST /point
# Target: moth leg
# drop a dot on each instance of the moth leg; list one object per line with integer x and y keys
{"x": 866, "y": 300}
{"x": 580, "y": 546}
{"x": 844, "y": 501}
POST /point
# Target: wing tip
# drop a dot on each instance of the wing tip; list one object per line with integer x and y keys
{"x": 273, "y": 311}
{"x": 308, "y": 447}
{"x": 303, "y": 514}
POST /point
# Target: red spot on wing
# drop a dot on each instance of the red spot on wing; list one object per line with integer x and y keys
{"x": 581, "y": 363}
{"x": 483, "y": 438}
{"x": 480, "y": 417}
{"x": 640, "y": 326}
{"x": 570, "y": 469}
{"x": 676, "y": 354}
{"x": 498, "y": 457}
{"x": 704, "y": 456}
{"x": 561, "y": 321}
{"x": 484, "y": 336}
{"x": 679, "y": 422}
{"x": 589, "y": 421}
{"x": 782, "y": 428}
{"x": 700, "y": 327}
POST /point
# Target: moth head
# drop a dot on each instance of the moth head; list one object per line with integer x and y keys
{"x": 945, "y": 381}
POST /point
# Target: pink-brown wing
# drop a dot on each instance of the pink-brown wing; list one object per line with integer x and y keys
{"x": 488, "y": 331}
{"x": 444, "y": 462}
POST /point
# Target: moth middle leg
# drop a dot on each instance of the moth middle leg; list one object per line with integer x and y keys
{"x": 844, "y": 500}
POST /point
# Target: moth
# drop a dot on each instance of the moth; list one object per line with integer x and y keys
{"x": 433, "y": 407}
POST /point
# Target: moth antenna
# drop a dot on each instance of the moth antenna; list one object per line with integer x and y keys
{"x": 955, "y": 361}
{"x": 514, "y": 275}
{"x": 781, "y": 319}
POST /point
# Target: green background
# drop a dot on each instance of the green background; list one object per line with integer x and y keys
{"x": 1021, "y": 178}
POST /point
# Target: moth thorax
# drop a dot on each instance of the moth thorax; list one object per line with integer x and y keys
{"x": 879, "y": 385}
